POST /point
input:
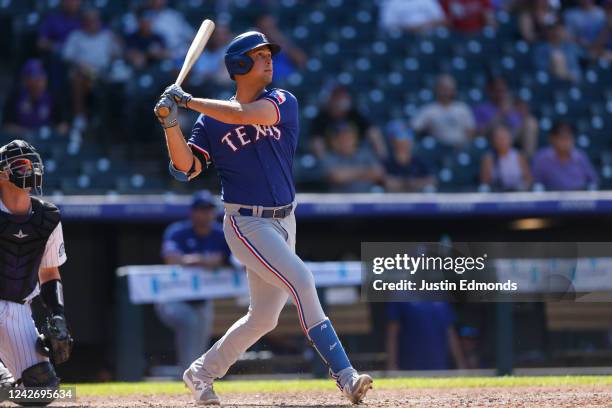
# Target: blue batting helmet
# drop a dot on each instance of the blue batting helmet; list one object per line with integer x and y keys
{"x": 236, "y": 60}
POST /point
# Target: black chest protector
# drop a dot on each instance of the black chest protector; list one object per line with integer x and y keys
{"x": 23, "y": 239}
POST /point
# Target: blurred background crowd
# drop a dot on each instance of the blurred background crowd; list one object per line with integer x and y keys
{"x": 395, "y": 95}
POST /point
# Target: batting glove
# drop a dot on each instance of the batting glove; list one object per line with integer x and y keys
{"x": 179, "y": 96}
{"x": 166, "y": 112}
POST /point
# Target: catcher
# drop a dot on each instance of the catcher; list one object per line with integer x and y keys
{"x": 31, "y": 251}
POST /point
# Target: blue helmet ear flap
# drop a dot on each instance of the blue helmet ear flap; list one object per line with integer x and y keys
{"x": 238, "y": 64}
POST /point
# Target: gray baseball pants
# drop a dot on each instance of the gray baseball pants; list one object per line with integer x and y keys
{"x": 275, "y": 273}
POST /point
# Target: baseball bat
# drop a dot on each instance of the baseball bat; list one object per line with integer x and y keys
{"x": 194, "y": 52}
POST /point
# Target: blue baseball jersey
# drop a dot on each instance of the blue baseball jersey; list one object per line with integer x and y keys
{"x": 181, "y": 239}
{"x": 255, "y": 162}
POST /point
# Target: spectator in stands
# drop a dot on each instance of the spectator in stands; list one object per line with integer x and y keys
{"x": 31, "y": 106}
{"x": 197, "y": 242}
{"x": 502, "y": 109}
{"x": 57, "y": 26}
{"x": 348, "y": 168}
{"x": 602, "y": 47}
{"x": 585, "y": 22}
{"x": 504, "y": 168}
{"x": 422, "y": 336}
{"x": 210, "y": 67}
{"x": 144, "y": 48}
{"x": 172, "y": 26}
{"x": 89, "y": 51}
{"x": 291, "y": 58}
{"x": 535, "y": 16}
{"x": 559, "y": 55}
{"x": 561, "y": 166}
{"x": 417, "y": 16}
{"x": 52, "y": 34}
{"x": 405, "y": 172}
{"x": 338, "y": 108}
{"x": 469, "y": 16}
{"x": 448, "y": 120}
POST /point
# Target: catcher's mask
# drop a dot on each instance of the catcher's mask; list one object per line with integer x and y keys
{"x": 23, "y": 164}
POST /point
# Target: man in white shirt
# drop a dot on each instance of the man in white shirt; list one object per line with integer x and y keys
{"x": 450, "y": 121}
{"x": 89, "y": 51}
{"x": 419, "y": 16}
{"x": 31, "y": 252}
{"x": 172, "y": 26}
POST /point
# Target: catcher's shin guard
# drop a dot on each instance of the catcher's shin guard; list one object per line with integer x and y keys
{"x": 41, "y": 375}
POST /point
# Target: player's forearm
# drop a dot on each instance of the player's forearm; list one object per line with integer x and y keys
{"x": 343, "y": 175}
{"x": 51, "y": 290}
{"x": 224, "y": 111}
{"x": 180, "y": 154}
{"x": 48, "y": 274}
{"x": 373, "y": 174}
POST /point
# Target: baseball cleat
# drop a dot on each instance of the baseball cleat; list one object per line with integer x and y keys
{"x": 6, "y": 381}
{"x": 356, "y": 388}
{"x": 202, "y": 391}
{"x": 6, "y": 378}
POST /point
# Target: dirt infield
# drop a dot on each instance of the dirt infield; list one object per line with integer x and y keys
{"x": 553, "y": 396}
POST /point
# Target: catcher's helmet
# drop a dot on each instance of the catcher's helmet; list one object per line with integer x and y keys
{"x": 236, "y": 60}
{"x": 23, "y": 165}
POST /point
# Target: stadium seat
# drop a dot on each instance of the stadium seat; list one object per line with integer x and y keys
{"x": 461, "y": 172}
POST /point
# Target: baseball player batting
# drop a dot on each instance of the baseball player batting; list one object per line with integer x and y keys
{"x": 251, "y": 139}
{"x": 31, "y": 251}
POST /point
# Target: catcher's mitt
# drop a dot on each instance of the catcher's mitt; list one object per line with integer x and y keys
{"x": 55, "y": 340}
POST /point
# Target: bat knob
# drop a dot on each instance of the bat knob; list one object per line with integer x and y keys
{"x": 163, "y": 111}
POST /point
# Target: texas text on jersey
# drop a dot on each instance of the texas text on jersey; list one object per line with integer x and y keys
{"x": 254, "y": 161}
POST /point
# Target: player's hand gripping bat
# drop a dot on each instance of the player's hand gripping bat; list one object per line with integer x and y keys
{"x": 195, "y": 50}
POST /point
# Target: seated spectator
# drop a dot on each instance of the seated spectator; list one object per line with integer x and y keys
{"x": 417, "y": 16}
{"x": 448, "y": 120}
{"x": 559, "y": 55}
{"x": 585, "y": 22}
{"x": 32, "y": 106}
{"x": 534, "y": 18}
{"x": 405, "y": 172}
{"x": 90, "y": 51}
{"x": 422, "y": 336}
{"x": 602, "y": 47}
{"x": 561, "y": 166}
{"x": 52, "y": 35}
{"x": 504, "y": 168}
{"x": 348, "y": 168}
{"x": 501, "y": 108}
{"x": 57, "y": 26}
{"x": 469, "y": 16}
{"x": 210, "y": 67}
{"x": 144, "y": 48}
{"x": 198, "y": 241}
{"x": 338, "y": 108}
{"x": 172, "y": 26}
{"x": 291, "y": 58}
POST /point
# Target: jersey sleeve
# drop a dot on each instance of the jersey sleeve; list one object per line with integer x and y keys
{"x": 170, "y": 245}
{"x": 55, "y": 252}
{"x": 286, "y": 106}
{"x": 198, "y": 141}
